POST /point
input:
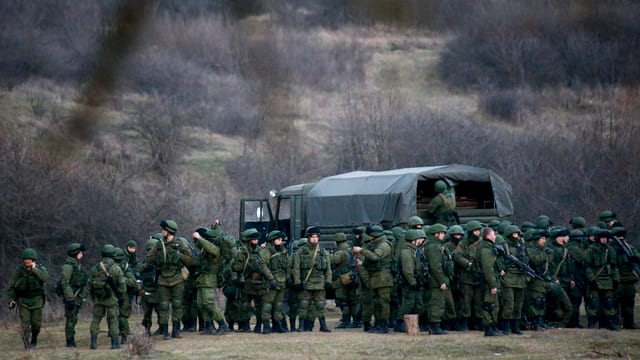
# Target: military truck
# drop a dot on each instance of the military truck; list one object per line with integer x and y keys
{"x": 341, "y": 202}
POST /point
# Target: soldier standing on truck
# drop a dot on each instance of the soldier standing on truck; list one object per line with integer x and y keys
{"x": 442, "y": 207}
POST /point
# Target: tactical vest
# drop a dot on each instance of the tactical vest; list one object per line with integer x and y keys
{"x": 385, "y": 263}
{"x": 149, "y": 277}
{"x": 306, "y": 259}
{"x": 101, "y": 284}
{"x": 27, "y": 284}
{"x": 278, "y": 262}
{"x": 171, "y": 263}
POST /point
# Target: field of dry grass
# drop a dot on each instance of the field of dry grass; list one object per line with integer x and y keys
{"x": 340, "y": 344}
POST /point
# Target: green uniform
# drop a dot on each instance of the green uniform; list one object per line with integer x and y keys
{"x": 206, "y": 283}
{"x": 485, "y": 260}
{"x": 514, "y": 284}
{"x": 565, "y": 273}
{"x": 251, "y": 262}
{"x": 312, "y": 270}
{"x": 170, "y": 256}
{"x": 628, "y": 280}
{"x": 440, "y": 268}
{"x": 536, "y": 289}
{"x": 603, "y": 277}
{"x": 149, "y": 295}
{"x": 578, "y": 291}
{"x": 107, "y": 284}
{"x": 413, "y": 283}
{"x": 73, "y": 281}
{"x": 124, "y": 302}
{"x": 272, "y": 301}
{"x": 26, "y": 288}
{"x": 378, "y": 262}
{"x": 463, "y": 259}
{"x": 345, "y": 283}
{"x": 441, "y": 209}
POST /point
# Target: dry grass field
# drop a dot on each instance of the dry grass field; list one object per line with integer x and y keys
{"x": 340, "y": 344}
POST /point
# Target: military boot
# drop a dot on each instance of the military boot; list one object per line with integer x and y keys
{"x": 165, "y": 331}
{"x": 115, "y": 342}
{"x": 300, "y": 325}
{"x": 258, "y": 328}
{"x": 515, "y": 327}
{"x": 489, "y": 331}
{"x": 231, "y": 325}
{"x": 613, "y": 323}
{"x": 435, "y": 329}
{"x": 357, "y": 322}
{"x": 277, "y": 326}
{"x": 591, "y": 322}
{"x": 222, "y": 328}
{"x": 123, "y": 339}
{"x": 175, "y": 332}
{"x": 243, "y": 326}
{"x": 207, "y": 329}
{"x": 462, "y": 325}
{"x": 383, "y": 327}
{"x": 158, "y": 331}
{"x": 366, "y": 325}
{"x": 400, "y": 326}
{"x": 266, "y": 327}
{"x": 34, "y": 339}
{"x": 71, "y": 342}
{"x": 190, "y": 326}
{"x": 94, "y": 342}
{"x": 323, "y": 324}
{"x": 344, "y": 322}
{"x": 282, "y": 328}
{"x": 506, "y": 327}
{"x": 308, "y": 325}
{"x": 147, "y": 330}
{"x": 541, "y": 325}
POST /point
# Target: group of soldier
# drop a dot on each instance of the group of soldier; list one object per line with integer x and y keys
{"x": 496, "y": 277}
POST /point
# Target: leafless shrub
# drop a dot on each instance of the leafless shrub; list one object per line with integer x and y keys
{"x": 139, "y": 345}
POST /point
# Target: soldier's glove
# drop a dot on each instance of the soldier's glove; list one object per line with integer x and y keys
{"x": 273, "y": 284}
{"x": 298, "y": 287}
{"x": 70, "y": 305}
{"x": 548, "y": 251}
{"x": 328, "y": 286}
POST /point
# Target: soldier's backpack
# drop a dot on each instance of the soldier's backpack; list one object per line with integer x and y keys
{"x": 101, "y": 282}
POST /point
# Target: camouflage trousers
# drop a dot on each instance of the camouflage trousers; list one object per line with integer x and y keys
{"x": 99, "y": 311}
{"x": 312, "y": 304}
{"x": 411, "y": 303}
{"x": 366, "y": 301}
{"x": 71, "y": 319}
{"x": 124, "y": 312}
{"x": 207, "y": 299}
{"x": 171, "y": 302}
{"x": 381, "y": 306}
{"x": 272, "y": 302}
{"x": 293, "y": 300}
{"x": 30, "y": 321}
{"x": 601, "y": 302}
{"x": 149, "y": 305}
{"x": 434, "y": 299}
{"x": 512, "y": 302}
{"x": 627, "y": 296}
{"x": 347, "y": 299}
{"x": 490, "y": 308}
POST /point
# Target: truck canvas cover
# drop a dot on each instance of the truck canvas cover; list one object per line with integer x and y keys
{"x": 370, "y": 197}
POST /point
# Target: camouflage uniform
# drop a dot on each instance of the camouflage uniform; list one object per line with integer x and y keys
{"x": 628, "y": 278}
{"x": 105, "y": 295}
{"x": 272, "y": 301}
{"x": 26, "y": 291}
{"x": 149, "y": 294}
{"x": 378, "y": 262}
{"x": 514, "y": 281}
{"x": 441, "y": 209}
{"x": 171, "y": 255}
{"x": 73, "y": 281}
{"x": 454, "y": 235}
{"x": 411, "y": 276}
{"x": 539, "y": 260}
{"x": 345, "y": 283}
{"x": 463, "y": 258}
{"x": 485, "y": 261}
{"x": 564, "y": 269}
{"x": 603, "y": 276}
{"x": 312, "y": 271}
{"x": 124, "y": 300}
{"x": 437, "y": 292}
{"x": 579, "y": 290}
{"x": 206, "y": 283}
{"x": 293, "y": 293}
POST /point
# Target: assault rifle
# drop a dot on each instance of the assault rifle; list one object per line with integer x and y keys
{"x": 628, "y": 250}
{"x": 426, "y": 272}
{"x": 527, "y": 269}
{"x": 355, "y": 277}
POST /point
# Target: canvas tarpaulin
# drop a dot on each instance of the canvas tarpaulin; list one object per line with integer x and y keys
{"x": 370, "y": 197}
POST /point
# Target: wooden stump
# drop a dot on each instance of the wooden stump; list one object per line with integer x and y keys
{"x": 411, "y": 323}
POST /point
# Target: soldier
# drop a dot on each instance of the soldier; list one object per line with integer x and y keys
{"x": 442, "y": 207}
{"x": 26, "y": 291}
{"x": 539, "y": 259}
{"x": 171, "y": 256}
{"x": 206, "y": 283}
{"x": 603, "y": 276}
{"x": 440, "y": 267}
{"x": 149, "y": 293}
{"x": 578, "y": 223}
{"x": 130, "y": 252}
{"x": 464, "y": 260}
{"x": 628, "y": 278}
{"x": 124, "y": 300}
{"x": 378, "y": 263}
{"x": 411, "y": 275}
{"x": 312, "y": 272}
{"x": 453, "y": 237}
{"x": 366, "y": 294}
{"x": 485, "y": 259}
{"x": 578, "y": 291}
{"x": 278, "y": 262}
{"x": 608, "y": 217}
{"x": 514, "y": 281}
{"x": 345, "y": 283}
{"x": 293, "y": 294}
{"x": 563, "y": 264}
{"x": 106, "y": 286}
{"x": 73, "y": 281}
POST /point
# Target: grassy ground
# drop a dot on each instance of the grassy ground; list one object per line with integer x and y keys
{"x": 340, "y": 344}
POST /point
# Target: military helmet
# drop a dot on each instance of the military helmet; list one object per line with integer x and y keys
{"x": 251, "y": 233}
{"x": 299, "y": 242}
{"x": 543, "y": 223}
{"x": 375, "y": 231}
{"x": 29, "y": 253}
{"x": 118, "y": 254}
{"x": 440, "y": 186}
{"x": 603, "y": 233}
{"x": 276, "y": 234}
{"x": 108, "y": 250}
{"x": 389, "y": 235}
{"x": 494, "y": 223}
{"x": 511, "y": 229}
{"x": 576, "y": 234}
{"x": 74, "y": 248}
{"x": 151, "y": 243}
{"x": 593, "y": 231}
{"x": 398, "y": 232}
{"x": 339, "y": 237}
{"x": 436, "y": 228}
{"x": 312, "y": 230}
{"x": 414, "y": 221}
{"x": 526, "y": 225}
{"x": 578, "y": 222}
{"x": 538, "y": 233}
{"x": 169, "y": 225}
{"x": 455, "y": 229}
{"x": 413, "y": 234}
{"x": 618, "y": 231}
{"x": 473, "y": 225}
{"x": 606, "y": 215}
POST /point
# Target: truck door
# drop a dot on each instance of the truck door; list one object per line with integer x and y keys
{"x": 256, "y": 213}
